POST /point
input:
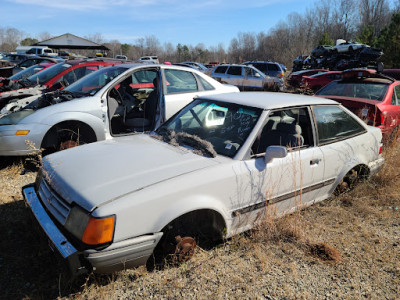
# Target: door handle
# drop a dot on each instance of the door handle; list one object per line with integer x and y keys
{"x": 315, "y": 161}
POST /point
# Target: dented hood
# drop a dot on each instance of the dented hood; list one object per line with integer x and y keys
{"x": 99, "y": 173}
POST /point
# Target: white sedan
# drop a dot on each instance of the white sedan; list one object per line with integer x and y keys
{"x": 211, "y": 171}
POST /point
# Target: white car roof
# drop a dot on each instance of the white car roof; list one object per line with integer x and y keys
{"x": 268, "y": 100}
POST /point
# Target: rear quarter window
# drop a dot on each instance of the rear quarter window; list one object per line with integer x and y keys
{"x": 333, "y": 124}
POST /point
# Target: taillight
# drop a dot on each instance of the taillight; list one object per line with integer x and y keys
{"x": 380, "y": 149}
{"x": 280, "y": 75}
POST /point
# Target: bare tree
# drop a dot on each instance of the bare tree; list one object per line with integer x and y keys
{"x": 374, "y": 13}
{"x": 44, "y": 36}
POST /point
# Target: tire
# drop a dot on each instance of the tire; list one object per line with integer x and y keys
{"x": 67, "y": 135}
{"x": 206, "y": 233}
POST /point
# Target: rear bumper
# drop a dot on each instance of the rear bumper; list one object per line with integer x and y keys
{"x": 376, "y": 165}
{"x": 117, "y": 256}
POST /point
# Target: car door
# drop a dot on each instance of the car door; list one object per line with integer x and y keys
{"x": 253, "y": 80}
{"x": 282, "y": 184}
{"x": 340, "y": 138}
{"x": 180, "y": 87}
{"x": 235, "y": 76}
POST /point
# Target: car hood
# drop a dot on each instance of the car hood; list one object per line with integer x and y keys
{"x": 99, "y": 173}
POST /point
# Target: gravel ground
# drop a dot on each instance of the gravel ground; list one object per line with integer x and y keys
{"x": 347, "y": 247}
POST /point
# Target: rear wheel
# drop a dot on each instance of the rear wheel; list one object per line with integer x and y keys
{"x": 352, "y": 178}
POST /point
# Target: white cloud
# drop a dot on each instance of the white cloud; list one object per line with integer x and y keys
{"x": 156, "y": 6}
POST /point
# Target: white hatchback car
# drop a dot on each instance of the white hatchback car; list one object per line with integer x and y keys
{"x": 212, "y": 170}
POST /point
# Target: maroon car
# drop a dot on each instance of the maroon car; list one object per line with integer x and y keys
{"x": 317, "y": 81}
{"x": 294, "y": 78}
{"x": 372, "y": 96}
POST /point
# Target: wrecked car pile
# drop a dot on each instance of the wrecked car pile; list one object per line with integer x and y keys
{"x": 345, "y": 55}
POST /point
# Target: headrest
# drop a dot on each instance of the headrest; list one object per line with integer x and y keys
{"x": 289, "y": 128}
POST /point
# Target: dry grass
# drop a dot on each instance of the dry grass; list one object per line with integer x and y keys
{"x": 346, "y": 247}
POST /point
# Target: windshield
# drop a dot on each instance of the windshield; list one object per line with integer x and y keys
{"x": 27, "y": 72}
{"x": 92, "y": 83}
{"x": 225, "y": 125}
{"x": 360, "y": 89}
{"x": 44, "y": 76}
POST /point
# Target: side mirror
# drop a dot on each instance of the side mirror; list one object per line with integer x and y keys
{"x": 274, "y": 152}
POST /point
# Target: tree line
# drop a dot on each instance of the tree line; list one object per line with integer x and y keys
{"x": 374, "y": 22}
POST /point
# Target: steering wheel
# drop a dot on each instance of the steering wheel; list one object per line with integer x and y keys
{"x": 118, "y": 97}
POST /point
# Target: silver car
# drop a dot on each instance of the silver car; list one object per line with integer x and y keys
{"x": 213, "y": 170}
{"x": 246, "y": 78}
{"x": 113, "y": 101}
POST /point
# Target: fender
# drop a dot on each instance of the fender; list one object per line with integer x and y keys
{"x": 94, "y": 122}
{"x": 190, "y": 204}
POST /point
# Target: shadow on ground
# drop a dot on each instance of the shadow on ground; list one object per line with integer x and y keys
{"x": 28, "y": 267}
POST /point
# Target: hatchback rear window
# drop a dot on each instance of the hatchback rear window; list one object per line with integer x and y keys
{"x": 365, "y": 90}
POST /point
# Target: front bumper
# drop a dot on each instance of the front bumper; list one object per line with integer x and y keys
{"x": 21, "y": 145}
{"x": 118, "y": 256}
{"x": 58, "y": 240}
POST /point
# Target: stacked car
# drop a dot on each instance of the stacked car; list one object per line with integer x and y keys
{"x": 345, "y": 55}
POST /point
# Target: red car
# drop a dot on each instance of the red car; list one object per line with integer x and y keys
{"x": 317, "y": 81}
{"x": 294, "y": 78}
{"x": 53, "y": 78}
{"x": 372, "y": 96}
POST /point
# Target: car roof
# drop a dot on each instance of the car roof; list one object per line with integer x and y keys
{"x": 268, "y": 100}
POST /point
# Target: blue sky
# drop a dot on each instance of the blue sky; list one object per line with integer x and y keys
{"x": 177, "y": 21}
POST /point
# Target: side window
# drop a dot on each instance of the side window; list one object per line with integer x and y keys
{"x": 273, "y": 67}
{"x": 396, "y": 95}
{"x": 221, "y": 69}
{"x": 206, "y": 85}
{"x": 83, "y": 71}
{"x": 333, "y": 123}
{"x": 179, "y": 81}
{"x": 290, "y": 128}
{"x": 234, "y": 70}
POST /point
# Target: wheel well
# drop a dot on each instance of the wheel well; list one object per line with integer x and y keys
{"x": 352, "y": 177}
{"x": 205, "y": 225}
{"x": 51, "y": 139}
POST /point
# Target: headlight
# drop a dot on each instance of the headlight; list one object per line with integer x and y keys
{"x": 90, "y": 230}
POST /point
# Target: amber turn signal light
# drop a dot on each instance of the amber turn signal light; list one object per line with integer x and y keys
{"x": 99, "y": 231}
{"x": 22, "y": 132}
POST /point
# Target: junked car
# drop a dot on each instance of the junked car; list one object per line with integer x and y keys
{"x": 317, "y": 81}
{"x": 244, "y": 77}
{"x": 272, "y": 69}
{"x": 372, "y": 96}
{"x": 113, "y": 101}
{"x": 211, "y": 171}
{"x": 28, "y": 72}
{"x": 56, "y": 77}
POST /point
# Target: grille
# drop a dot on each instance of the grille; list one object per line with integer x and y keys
{"x": 53, "y": 202}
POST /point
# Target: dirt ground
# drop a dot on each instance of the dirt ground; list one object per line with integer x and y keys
{"x": 347, "y": 247}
